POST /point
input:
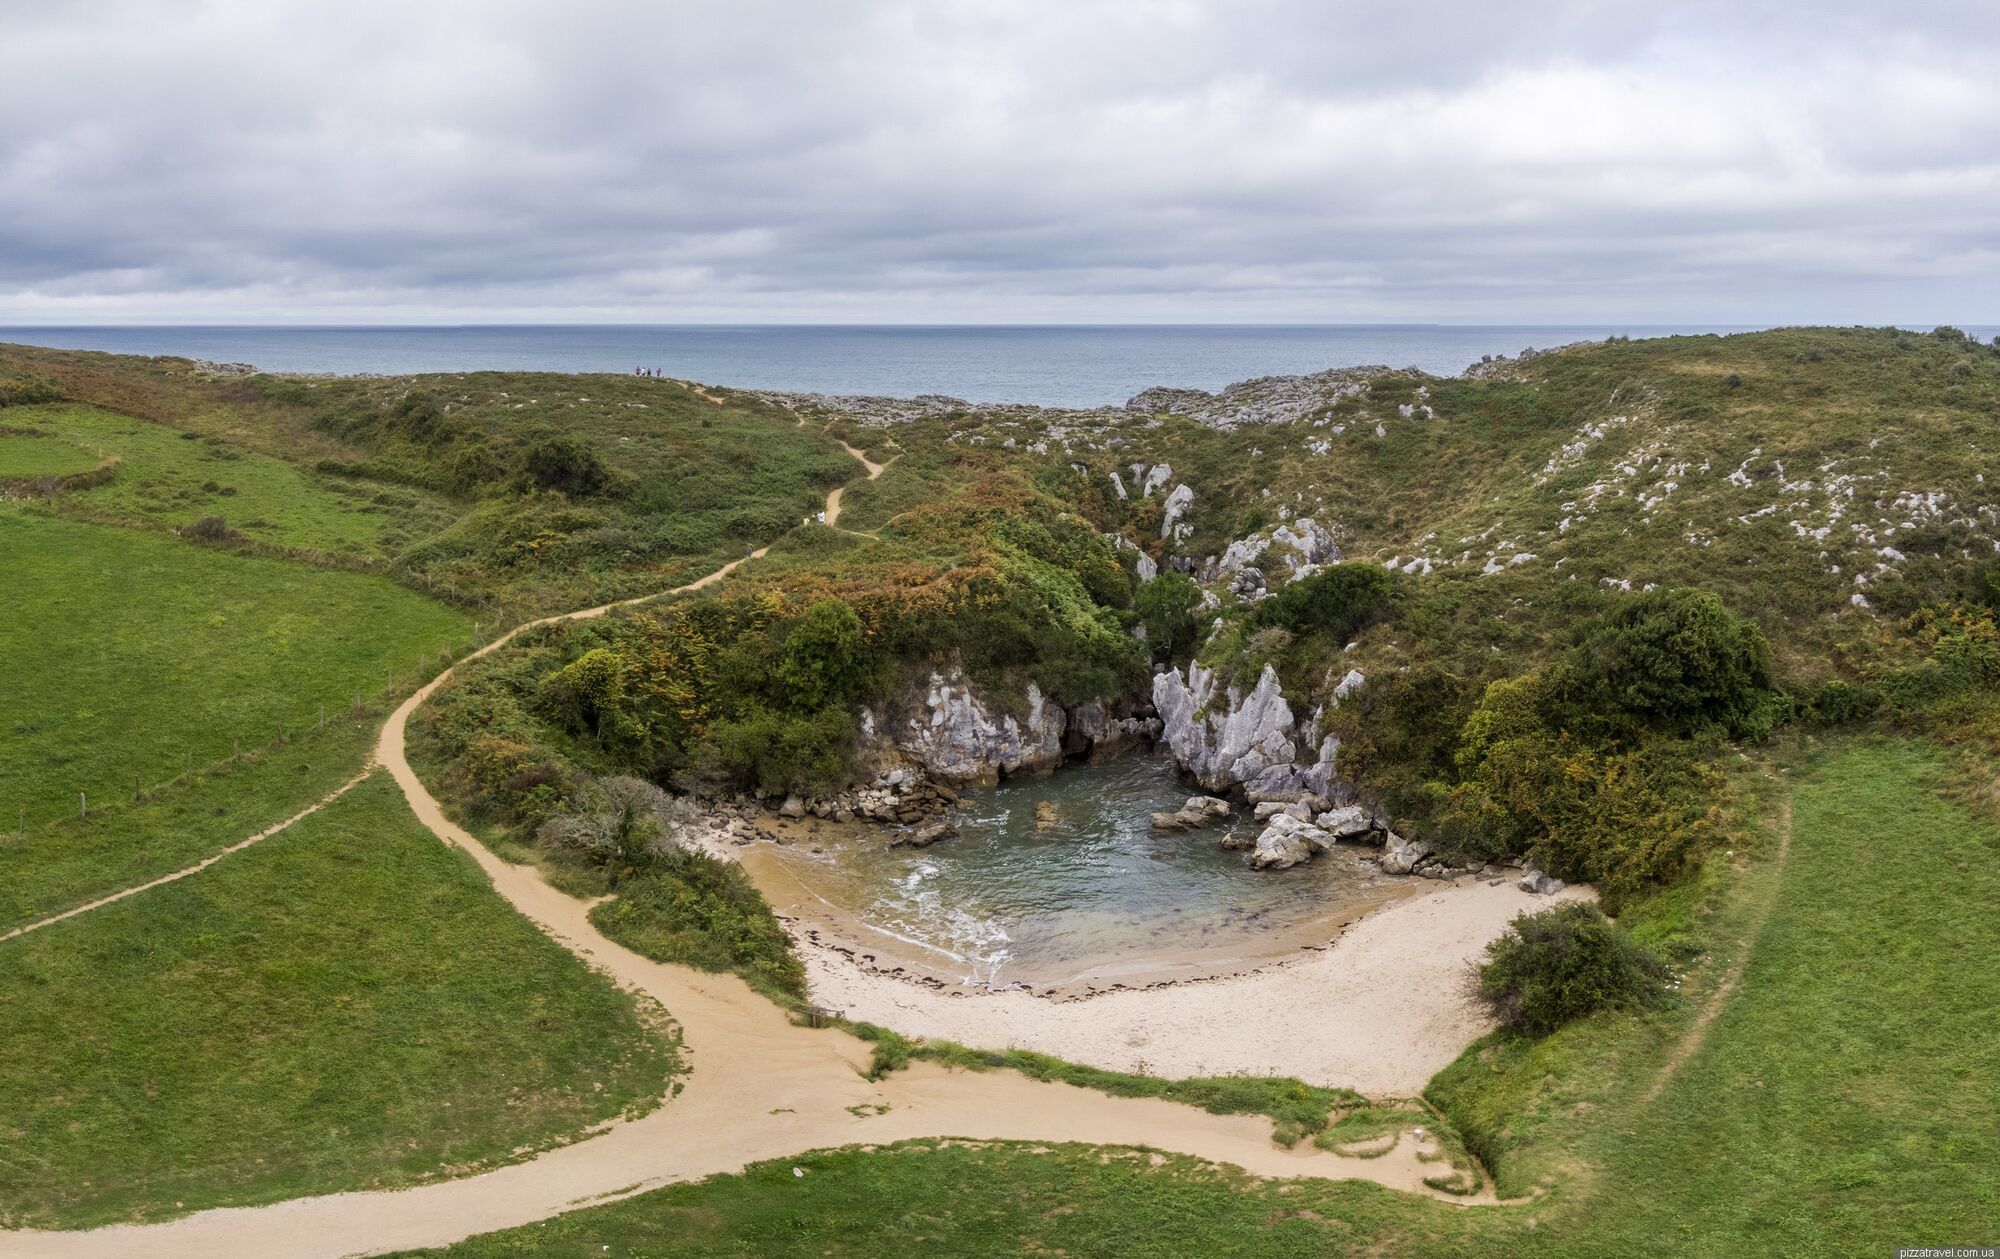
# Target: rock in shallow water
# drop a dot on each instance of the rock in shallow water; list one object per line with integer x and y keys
{"x": 1197, "y": 812}
{"x": 924, "y": 836}
{"x": 1286, "y": 842}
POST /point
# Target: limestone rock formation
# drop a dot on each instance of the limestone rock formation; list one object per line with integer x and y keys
{"x": 1232, "y": 740}
{"x": 1286, "y": 842}
{"x": 1197, "y": 812}
{"x": 958, "y": 740}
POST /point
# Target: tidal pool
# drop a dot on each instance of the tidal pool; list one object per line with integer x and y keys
{"x": 1094, "y": 899}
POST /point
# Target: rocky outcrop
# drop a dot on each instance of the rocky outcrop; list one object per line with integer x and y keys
{"x": 958, "y": 739}
{"x": 1541, "y": 884}
{"x": 1347, "y": 822}
{"x": 1199, "y": 811}
{"x": 1231, "y": 741}
{"x": 1399, "y": 855}
{"x": 949, "y": 733}
{"x": 925, "y": 835}
{"x": 1176, "y": 507}
{"x": 1292, "y": 550}
{"x": 1285, "y": 842}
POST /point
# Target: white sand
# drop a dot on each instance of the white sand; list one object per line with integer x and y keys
{"x": 1381, "y": 1009}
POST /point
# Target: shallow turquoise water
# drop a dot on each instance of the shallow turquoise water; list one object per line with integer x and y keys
{"x": 1096, "y": 897}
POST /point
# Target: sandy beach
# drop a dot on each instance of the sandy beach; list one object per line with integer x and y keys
{"x": 1379, "y": 1005}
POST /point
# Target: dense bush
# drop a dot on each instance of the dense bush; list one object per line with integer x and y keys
{"x": 1625, "y": 817}
{"x": 1563, "y": 963}
{"x": 1166, "y": 607}
{"x": 565, "y": 464}
{"x": 1666, "y": 662}
{"x": 1338, "y": 602}
{"x": 620, "y": 824}
{"x": 690, "y": 908}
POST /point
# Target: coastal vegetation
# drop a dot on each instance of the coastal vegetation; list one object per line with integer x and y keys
{"x": 1706, "y": 623}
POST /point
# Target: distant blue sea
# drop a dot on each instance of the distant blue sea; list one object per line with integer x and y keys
{"x": 1078, "y": 365}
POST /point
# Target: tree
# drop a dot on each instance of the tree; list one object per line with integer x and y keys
{"x": 1669, "y": 662}
{"x": 1166, "y": 607}
{"x": 825, "y": 657}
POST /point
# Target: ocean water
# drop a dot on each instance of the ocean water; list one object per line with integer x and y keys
{"x": 1093, "y": 897}
{"x": 1050, "y": 365}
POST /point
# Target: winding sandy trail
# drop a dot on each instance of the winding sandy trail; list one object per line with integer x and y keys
{"x": 198, "y": 866}
{"x": 759, "y": 1088}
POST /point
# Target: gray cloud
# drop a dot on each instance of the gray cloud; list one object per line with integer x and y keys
{"x": 1147, "y": 159}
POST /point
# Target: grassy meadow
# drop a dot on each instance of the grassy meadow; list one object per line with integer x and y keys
{"x": 36, "y": 454}
{"x": 130, "y": 655}
{"x": 171, "y": 478}
{"x": 345, "y": 1005}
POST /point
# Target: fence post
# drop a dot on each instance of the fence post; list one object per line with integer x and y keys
{"x": 82, "y": 807}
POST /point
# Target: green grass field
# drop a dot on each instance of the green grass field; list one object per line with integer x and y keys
{"x": 174, "y": 477}
{"x": 126, "y": 653}
{"x": 71, "y": 860}
{"x": 345, "y": 1005}
{"x": 31, "y": 456}
{"x": 1843, "y": 1102}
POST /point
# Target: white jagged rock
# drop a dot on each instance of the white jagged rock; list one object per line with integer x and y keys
{"x": 1228, "y": 739}
{"x": 1285, "y": 842}
{"x": 1345, "y": 823}
{"x": 1178, "y": 504}
{"x": 959, "y": 741}
{"x": 1399, "y": 855}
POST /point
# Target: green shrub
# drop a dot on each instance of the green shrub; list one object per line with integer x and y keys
{"x": 1563, "y": 963}
{"x": 565, "y": 464}
{"x": 1837, "y": 703}
{"x": 690, "y": 908}
{"x": 825, "y": 661}
{"x": 1166, "y": 607}
{"x": 1665, "y": 662}
{"x": 1625, "y": 818}
{"x": 1338, "y": 601}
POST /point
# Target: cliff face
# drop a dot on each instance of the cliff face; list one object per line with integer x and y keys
{"x": 1253, "y": 742}
{"x": 958, "y": 736}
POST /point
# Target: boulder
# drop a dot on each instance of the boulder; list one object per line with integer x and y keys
{"x": 1349, "y": 822}
{"x": 924, "y": 836}
{"x": 1399, "y": 855}
{"x": 1197, "y": 812}
{"x": 1541, "y": 884}
{"x": 792, "y": 807}
{"x": 1047, "y": 816}
{"x": 1286, "y": 842}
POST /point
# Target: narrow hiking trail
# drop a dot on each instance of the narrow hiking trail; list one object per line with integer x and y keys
{"x": 1696, "y": 1035}
{"x": 758, "y": 1087}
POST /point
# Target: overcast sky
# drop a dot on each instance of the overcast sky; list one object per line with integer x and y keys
{"x": 1138, "y": 160}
